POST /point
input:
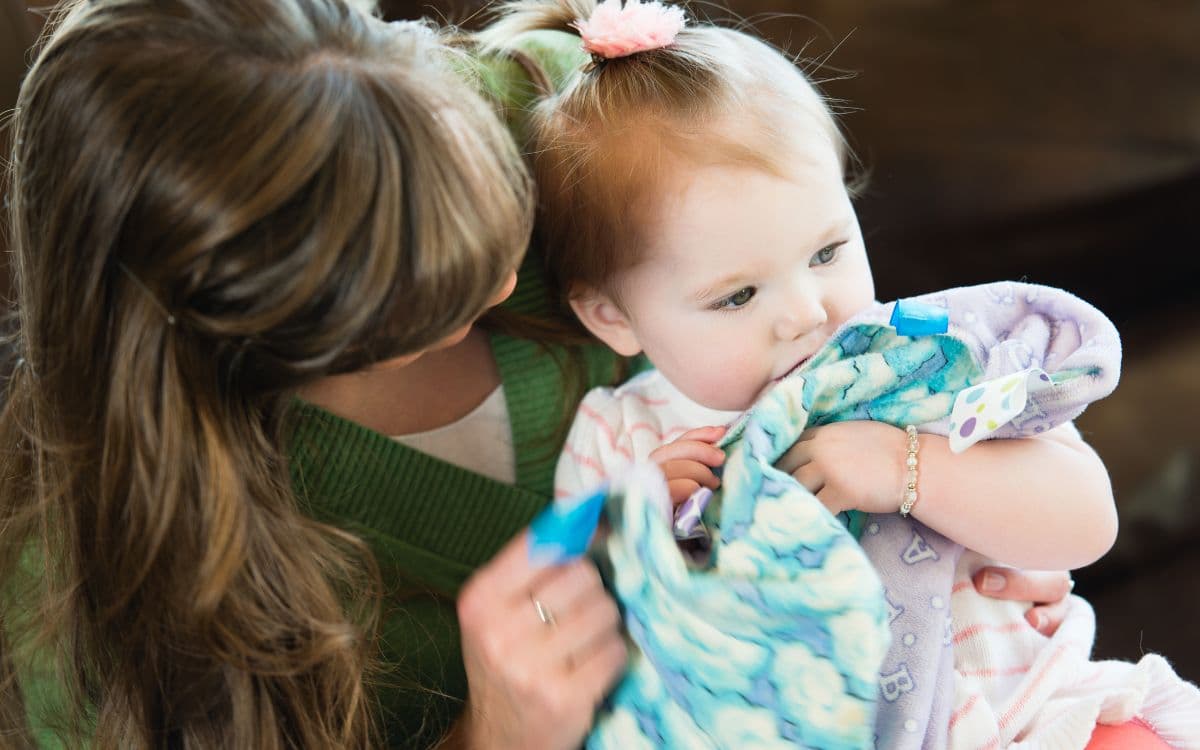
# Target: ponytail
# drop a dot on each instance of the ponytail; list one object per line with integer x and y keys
{"x": 607, "y": 146}
{"x": 212, "y": 205}
{"x": 518, "y": 17}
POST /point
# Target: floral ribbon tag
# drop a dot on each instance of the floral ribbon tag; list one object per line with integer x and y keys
{"x": 984, "y": 408}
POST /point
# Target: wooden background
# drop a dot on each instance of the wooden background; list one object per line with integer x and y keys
{"x": 1053, "y": 142}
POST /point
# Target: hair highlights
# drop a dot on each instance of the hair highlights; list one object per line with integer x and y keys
{"x": 213, "y": 204}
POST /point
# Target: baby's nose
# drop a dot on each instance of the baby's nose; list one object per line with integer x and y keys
{"x": 806, "y": 315}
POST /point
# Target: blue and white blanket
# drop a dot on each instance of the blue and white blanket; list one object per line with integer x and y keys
{"x": 778, "y": 637}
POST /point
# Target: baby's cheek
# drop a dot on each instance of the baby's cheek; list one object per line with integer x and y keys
{"x": 732, "y": 384}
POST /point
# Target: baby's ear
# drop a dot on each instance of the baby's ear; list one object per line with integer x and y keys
{"x": 605, "y": 319}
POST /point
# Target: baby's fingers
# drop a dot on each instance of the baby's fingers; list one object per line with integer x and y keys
{"x": 681, "y": 489}
{"x": 690, "y": 470}
{"x": 1045, "y": 618}
{"x": 688, "y": 450}
{"x": 709, "y": 434}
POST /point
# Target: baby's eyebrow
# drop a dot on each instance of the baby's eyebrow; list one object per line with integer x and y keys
{"x": 732, "y": 281}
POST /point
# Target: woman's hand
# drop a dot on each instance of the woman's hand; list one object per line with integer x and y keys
{"x": 1047, "y": 589}
{"x": 850, "y": 465}
{"x": 688, "y": 462}
{"x": 542, "y": 647}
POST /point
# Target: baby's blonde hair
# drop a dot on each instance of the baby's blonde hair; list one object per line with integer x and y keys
{"x": 604, "y": 147}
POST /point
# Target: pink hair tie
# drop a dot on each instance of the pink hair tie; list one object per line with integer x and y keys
{"x": 613, "y": 31}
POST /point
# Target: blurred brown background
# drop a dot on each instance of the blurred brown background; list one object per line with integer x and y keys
{"x": 1057, "y": 143}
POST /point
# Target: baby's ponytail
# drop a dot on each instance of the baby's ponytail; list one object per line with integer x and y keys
{"x": 515, "y": 18}
{"x": 656, "y": 94}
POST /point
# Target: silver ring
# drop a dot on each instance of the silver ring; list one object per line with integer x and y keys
{"x": 543, "y": 612}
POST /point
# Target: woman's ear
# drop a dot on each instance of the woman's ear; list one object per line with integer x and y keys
{"x": 604, "y": 318}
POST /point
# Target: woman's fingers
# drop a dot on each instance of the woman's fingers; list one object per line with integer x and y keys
{"x": 586, "y": 629}
{"x": 1047, "y": 589}
{"x": 583, "y": 643}
{"x": 1045, "y": 618}
{"x": 568, "y": 587}
{"x": 1043, "y": 586}
{"x": 542, "y": 645}
{"x": 602, "y": 667}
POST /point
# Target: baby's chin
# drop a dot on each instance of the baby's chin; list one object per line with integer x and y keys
{"x": 730, "y": 398}
{"x": 730, "y": 402}
{"x": 762, "y": 392}
{"x": 758, "y": 395}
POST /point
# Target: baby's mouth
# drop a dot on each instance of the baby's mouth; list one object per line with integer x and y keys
{"x": 795, "y": 367}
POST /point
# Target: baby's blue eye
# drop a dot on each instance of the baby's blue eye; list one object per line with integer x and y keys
{"x": 737, "y": 299}
{"x": 825, "y": 255}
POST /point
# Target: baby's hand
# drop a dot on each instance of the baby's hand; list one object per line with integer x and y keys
{"x": 688, "y": 461}
{"x": 851, "y": 465}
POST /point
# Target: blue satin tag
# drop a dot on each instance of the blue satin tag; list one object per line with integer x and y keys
{"x": 562, "y": 531}
{"x": 912, "y": 318}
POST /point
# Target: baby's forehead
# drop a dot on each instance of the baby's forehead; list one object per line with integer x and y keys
{"x": 794, "y": 149}
{"x": 720, "y": 218}
{"x": 713, "y": 192}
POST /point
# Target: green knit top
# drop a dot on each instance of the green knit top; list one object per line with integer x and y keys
{"x": 430, "y": 524}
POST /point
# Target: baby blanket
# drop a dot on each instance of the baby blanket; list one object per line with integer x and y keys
{"x": 780, "y": 636}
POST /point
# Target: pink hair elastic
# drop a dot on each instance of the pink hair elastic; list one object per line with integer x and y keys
{"x": 612, "y": 31}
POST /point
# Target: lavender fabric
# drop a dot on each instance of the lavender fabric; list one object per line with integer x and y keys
{"x": 1008, "y": 327}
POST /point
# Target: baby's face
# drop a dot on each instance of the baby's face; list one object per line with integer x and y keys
{"x": 747, "y": 276}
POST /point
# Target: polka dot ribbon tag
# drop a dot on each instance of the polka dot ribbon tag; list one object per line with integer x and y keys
{"x": 982, "y": 409}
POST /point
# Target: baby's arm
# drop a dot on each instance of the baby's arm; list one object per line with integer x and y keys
{"x": 1041, "y": 502}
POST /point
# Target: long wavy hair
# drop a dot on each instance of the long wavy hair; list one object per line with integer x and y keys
{"x": 214, "y": 203}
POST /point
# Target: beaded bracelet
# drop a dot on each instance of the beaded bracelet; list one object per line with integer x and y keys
{"x": 910, "y": 463}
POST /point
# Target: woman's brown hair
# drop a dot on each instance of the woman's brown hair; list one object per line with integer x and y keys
{"x": 214, "y": 203}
